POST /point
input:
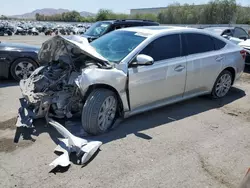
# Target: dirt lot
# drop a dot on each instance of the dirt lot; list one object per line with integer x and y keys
{"x": 196, "y": 143}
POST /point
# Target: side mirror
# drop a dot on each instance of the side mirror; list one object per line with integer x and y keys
{"x": 143, "y": 60}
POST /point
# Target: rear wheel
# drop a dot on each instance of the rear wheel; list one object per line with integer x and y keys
{"x": 99, "y": 111}
{"x": 222, "y": 84}
{"x": 22, "y": 68}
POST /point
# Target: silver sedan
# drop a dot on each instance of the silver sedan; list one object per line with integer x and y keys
{"x": 130, "y": 71}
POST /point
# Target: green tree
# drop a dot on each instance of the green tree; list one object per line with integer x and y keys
{"x": 104, "y": 14}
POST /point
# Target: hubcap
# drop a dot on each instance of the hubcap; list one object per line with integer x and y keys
{"x": 24, "y": 69}
{"x": 223, "y": 85}
{"x": 107, "y": 113}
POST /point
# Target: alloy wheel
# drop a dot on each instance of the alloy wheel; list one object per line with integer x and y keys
{"x": 24, "y": 69}
{"x": 107, "y": 113}
{"x": 223, "y": 85}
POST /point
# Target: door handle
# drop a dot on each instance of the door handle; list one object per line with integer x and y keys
{"x": 179, "y": 68}
{"x": 219, "y": 58}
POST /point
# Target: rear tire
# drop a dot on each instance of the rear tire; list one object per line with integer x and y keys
{"x": 222, "y": 84}
{"x": 22, "y": 68}
{"x": 99, "y": 111}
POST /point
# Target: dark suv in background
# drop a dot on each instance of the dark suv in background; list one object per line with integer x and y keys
{"x": 102, "y": 27}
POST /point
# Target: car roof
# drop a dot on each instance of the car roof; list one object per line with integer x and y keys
{"x": 128, "y": 21}
{"x": 151, "y": 30}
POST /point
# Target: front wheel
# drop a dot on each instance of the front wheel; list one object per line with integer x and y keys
{"x": 222, "y": 84}
{"x": 99, "y": 111}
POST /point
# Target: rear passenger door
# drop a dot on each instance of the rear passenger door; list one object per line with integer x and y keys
{"x": 204, "y": 62}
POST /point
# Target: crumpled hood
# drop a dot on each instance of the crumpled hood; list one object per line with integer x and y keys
{"x": 245, "y": 44}
{"x": 58, "y": 46}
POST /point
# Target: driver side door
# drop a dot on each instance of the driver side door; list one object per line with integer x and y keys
{"x": 152, "y": 86}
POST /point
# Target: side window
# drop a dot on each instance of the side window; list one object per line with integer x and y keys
{"x": 218, "y": 44}
{"x": 164, "y": 48}
{"x": 198, "y": 43}
{"x": 238, "y": 32}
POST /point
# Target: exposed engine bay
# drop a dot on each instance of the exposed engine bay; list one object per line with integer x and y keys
{"x": 51, "y": 90}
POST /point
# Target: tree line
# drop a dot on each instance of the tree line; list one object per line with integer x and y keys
{"x": 72, "y": 16}
{"x": 215, "y": 12}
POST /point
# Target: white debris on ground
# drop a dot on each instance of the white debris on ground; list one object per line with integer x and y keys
{"x": 84, "y": 149}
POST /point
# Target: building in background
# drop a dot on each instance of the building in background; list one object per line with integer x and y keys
{"x": 155, "y": 10}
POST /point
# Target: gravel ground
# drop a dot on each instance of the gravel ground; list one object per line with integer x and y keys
{"x": 196, "y": 143}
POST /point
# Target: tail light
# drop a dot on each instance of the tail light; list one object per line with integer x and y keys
{"x": 243, "y": 53}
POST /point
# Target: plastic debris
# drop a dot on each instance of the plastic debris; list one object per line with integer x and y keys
{"x": 83, "y": 148}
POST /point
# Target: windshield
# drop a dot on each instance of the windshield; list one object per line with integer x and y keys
{"x": 98, "y": 29}
{"x": 116, "y": 45}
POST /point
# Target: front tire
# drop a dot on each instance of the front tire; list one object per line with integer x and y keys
{"x": 99, "y": 111}
{"x": 22, "y": 68}
{"x": 222, "y": 84}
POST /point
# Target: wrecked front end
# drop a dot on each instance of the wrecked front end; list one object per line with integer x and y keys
{"x": 57, "y": 88}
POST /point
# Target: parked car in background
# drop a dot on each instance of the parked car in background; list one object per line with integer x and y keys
{"x": 128, "y": 71}
{"x": 17, "y": 60}
{"x": 235, "y": 34}
{"x": 5, "y": 28}
{"x": 102, "y": 27}
{"x": 246, "y": 45}
{"x": 81, "y": 29}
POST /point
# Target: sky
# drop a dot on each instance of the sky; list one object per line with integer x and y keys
{"x": 16, "y": 7}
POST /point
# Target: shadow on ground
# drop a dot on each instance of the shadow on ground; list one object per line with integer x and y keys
{"x": 165, "y": 115}
{"x": 7, "y": 82}
{"x": 136, "y": 124}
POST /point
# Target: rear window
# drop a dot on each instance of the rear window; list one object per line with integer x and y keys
{"x": 198, "y": 43}
{"x": 218, "y": 44}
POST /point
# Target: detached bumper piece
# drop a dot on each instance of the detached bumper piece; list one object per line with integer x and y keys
{"x": 84, "y": 149}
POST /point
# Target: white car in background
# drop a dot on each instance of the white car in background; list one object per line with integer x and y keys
{"x": 236, "y": 35}
{"x": 78, "y": 29}
{"x": 81, "y": 29}
{"x": 246, "y": 45}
